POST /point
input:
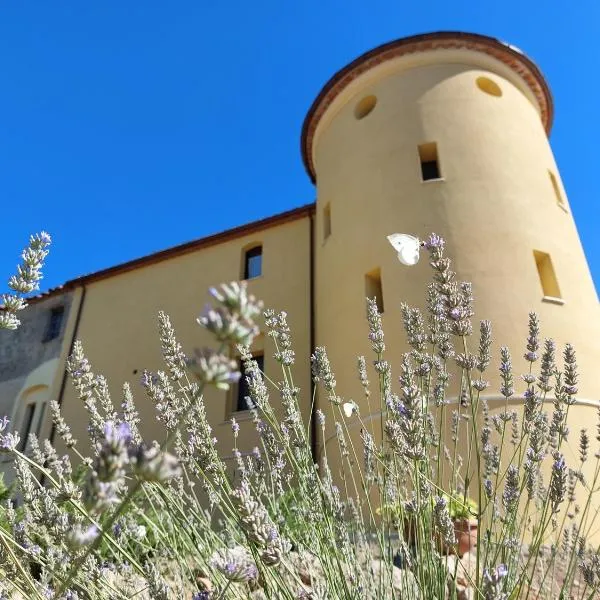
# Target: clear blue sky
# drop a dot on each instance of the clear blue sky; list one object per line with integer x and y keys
{"x": 130, "y": 126}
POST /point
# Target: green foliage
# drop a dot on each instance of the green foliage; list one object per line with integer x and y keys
{"x": 4, "y": 489}
{"x": 460, "y": 507}
{"x": 174, "y": 519}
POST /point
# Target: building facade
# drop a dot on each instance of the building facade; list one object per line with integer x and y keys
{"x": 444, "y": 132}
{"x": 114, "y": 313}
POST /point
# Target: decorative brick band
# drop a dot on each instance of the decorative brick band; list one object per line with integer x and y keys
{"x": 442, "y": 40}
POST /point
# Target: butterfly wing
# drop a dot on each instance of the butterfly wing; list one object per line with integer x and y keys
{"x": 407, "y": 247}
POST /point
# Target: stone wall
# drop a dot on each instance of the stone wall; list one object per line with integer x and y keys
{"x": 24, "y": 350}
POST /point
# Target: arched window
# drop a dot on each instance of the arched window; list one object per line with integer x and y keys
{"x": 30, "y": 413}
{"x": 253, "y": 262}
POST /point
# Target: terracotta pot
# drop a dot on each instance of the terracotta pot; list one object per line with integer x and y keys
{"x": 466, "y": 536}
{"x": 465, "y": 531}
{"x": 410, "y": 536}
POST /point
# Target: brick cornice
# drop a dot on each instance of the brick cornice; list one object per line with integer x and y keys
{"x": 251, "y": 228}
{"x": 442, "y": 40}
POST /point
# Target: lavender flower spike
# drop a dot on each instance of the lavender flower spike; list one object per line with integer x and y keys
{"x": 212, "y": 368}
{"x": 434, "y": 241}
{"x": 235, "y": 564}
{"x": 232, "y": 320}
{"x": 442, "y": 521}
{"x": 152, "y": 464}
{"x": 492, "y": 583}
{"x": 116, "y": 435}
{"x": 29, "y": 273}
{"x": 9, "y": 442}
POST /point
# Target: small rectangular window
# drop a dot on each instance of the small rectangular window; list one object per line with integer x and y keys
{"x": 428, "y": 155}
{"x": 326, "y": 222}
{"x": 548, "y": 280}
{"x": 373, "y": 288}
{"x": 40, "y": 419}
{"x": 26, "y": 423}
{"x": 242, "y": 387}
{"x": 556, "y": 188}
{"x": 54, "y": 326}
{"x": 253, "y": 263}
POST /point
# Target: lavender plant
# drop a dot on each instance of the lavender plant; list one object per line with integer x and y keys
{"x": 173, "y": 520}
{"x": 25, "y": 281}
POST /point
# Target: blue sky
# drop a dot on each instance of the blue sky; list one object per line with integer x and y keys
{"x": 128, "y": 127}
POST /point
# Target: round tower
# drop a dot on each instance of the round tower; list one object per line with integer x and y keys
{"x": 445, "y": 132}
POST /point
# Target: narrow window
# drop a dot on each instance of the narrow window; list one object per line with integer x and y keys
{"x": 430, "y": 168}
{"x": 26, "y": 424}
{"x": 253, "y": 263}
{"x": 40, "y": 419}
{"x": 546, "y": 273}
{"x": 54, "y": 323}
{"x": 556, "y": 188}
{"x": 373, "y": 288}
{"x": 242, "y": 387}
{"x": 326, "y": 222}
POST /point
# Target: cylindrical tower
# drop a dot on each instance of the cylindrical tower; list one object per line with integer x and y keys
{"x": 447, "y": 133}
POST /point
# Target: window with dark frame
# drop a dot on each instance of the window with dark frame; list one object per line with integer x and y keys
{"x": 430, "y": 167}
{"x": 40, "y": 419}
{"x": 326, "y": 222}
{"x": 253, "y": 263}
{"x": 55, "y": 320}
{"x": 373, "y": 287}
{"x": 26, "y": 424}
{"x": 242, "y": 387}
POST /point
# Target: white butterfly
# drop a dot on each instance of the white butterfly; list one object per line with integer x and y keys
{"x": 349, "y": 408}
{"x": 407, "y": 247}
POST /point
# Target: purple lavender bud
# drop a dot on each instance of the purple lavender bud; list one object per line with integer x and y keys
{"x": 434, "y": 241}
{"x": 455, "y": 313}
{"x": 320, "y": 417}
{"x": 9, "y": 442}
{"x": 119, "y": 434}
{"x": 235, "y": 564}
{"x": 117, "y": 529}
{"x": 152, "y": 464}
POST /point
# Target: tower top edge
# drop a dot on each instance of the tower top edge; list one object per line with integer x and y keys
{"x": 510, "y": 55}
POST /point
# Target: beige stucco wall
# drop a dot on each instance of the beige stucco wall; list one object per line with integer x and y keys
{"x": 494, "y": 206}
{"x": 119, "y": 327}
